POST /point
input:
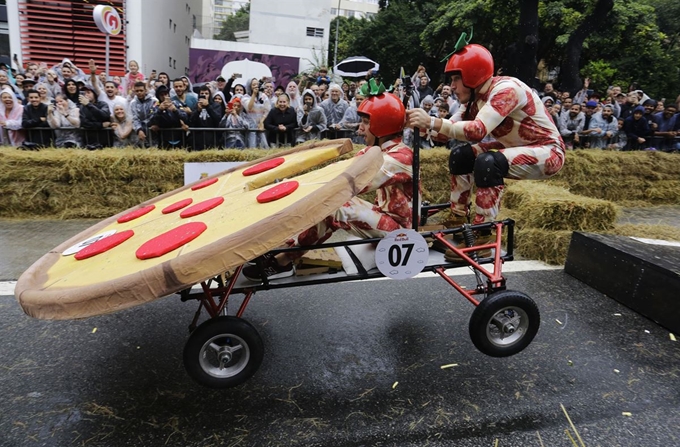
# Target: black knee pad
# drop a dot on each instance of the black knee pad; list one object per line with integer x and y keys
{"x": 490, "y": 168}
{"x": 461, "y": 160}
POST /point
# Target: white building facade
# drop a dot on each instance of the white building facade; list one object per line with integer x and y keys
{"x": 157, "y": 32}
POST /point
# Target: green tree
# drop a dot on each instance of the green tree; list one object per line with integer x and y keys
{"x": 240, "y": 21}
{"x": 349, "y": 28}
{"x": 392, "y": 37}
{"x": 621, "y": 41}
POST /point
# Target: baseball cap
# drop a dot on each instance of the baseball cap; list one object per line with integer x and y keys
{"x": 220, "y": 78}
{"x": 591, "y": 104}
{"x": 29, "y": 80}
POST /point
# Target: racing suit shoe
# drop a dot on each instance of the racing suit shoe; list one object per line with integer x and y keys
{"x": 480, "y": 239}
{"x": 451, "y": 222}
{"x": 271, "y": 269}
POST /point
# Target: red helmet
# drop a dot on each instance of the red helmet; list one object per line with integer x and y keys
{"x": 475, "y": 64}
{"x": 387, "y": 114}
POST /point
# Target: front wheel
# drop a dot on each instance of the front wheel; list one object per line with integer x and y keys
{"x": 504, "y": 323}
{"x": 223, "y": 352}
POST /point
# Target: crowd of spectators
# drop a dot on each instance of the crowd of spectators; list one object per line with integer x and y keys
{"x": 66, "y": 106}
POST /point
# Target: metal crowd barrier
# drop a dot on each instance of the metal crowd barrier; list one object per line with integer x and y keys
{"x": 196, "y": 138}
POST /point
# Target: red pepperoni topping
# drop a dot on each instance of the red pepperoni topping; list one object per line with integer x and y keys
{"x": 104, "y": 244}
{"x": 136, "y": 213}
{"x": 204, "y": 184}
{"x": 278, "y": 191}
{"x": 264, "y": 166}
{"x": 170, "y": 240}
{"x": 201, "y": 207}
{"x": 177, "y": 206}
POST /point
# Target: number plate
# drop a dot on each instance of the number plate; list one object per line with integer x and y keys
{"x": 402, "y": 254}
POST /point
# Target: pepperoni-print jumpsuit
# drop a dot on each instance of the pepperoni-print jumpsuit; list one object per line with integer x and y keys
{"x": 523, "y": 131}
{"x": 393, "y": 185}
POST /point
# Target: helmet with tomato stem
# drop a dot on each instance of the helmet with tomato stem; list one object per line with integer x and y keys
{"x": 385, "y": 110}
{"x": 472, "y": 62}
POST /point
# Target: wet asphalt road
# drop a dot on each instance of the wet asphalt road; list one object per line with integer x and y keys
{"x": 332, "y": 357}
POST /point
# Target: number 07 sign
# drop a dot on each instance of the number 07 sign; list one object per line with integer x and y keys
{"x": 402, "y": 254}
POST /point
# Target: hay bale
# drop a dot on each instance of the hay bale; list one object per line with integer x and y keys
{"x": 537, "y": 204}
{"x": 622, "y": 177}
{"x": 73, "y": 183}
{"x": 664, "y": 232}
{"x": 435, "y": 180}
{"x": 542, "y": 245}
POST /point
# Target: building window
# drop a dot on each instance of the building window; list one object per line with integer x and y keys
{"x": 314, "y": 32}
{"x": 334, "y": 11}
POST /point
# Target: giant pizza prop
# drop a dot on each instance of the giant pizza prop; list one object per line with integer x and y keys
{"x": 193, "y": 233}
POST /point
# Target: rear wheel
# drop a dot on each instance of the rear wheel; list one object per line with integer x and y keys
{"x": 504, "y": 323}
{"x": 223, "y": 352}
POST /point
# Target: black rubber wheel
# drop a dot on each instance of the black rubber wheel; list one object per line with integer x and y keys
{"x": 223, "y": 352}
{"x": 504, "y": 323}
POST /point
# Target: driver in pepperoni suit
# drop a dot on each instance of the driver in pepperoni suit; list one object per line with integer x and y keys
{"x": 382, "y": 122}
{"x": 524, "y": 142}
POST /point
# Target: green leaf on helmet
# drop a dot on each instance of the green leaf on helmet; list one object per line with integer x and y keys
{"x": 372, "y": 88}
{"x": 463, "y": 40}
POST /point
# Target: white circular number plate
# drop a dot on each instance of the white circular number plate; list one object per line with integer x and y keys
{"x": 402, "y": 254}
{"x": 80, "y": 245}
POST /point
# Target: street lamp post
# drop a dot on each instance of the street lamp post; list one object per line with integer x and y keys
{"x": 337, "y": 28}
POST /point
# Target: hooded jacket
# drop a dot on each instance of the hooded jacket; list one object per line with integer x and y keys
{"x": 13, "y": 121}
{"x": 313, "y": 116}
{"x": 334, "y": 110}
{"x": 63, "y": 123}
{"x": 141, "y": 111}
{"x": 636, "y": 128}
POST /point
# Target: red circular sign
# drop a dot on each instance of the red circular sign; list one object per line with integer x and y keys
{"x": 170, "y": 240}
{"x": 136, "y": 213}
{"x": 104, "y": 244}
{"x": 177, "y": 206}
{"x": 264, "y": 166}
{"x": 201, "y": 207}
{"x": 204, "y": 184}
{"x": 278, "y": 191}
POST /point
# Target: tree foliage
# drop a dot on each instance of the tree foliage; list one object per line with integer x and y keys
{"x": 240, "y": 21}
{"x": 633, "y": 41}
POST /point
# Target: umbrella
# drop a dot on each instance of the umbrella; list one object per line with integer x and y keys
{"x": 355, "y": 66}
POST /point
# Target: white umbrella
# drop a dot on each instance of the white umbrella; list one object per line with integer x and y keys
{"x": 247, "y": 69}
{"x": 355, "y": 67}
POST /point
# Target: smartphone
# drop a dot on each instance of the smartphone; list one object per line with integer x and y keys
{"x": 238, "y": 75}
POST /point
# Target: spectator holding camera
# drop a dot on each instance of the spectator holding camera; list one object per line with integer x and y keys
{"x": 167, "y": 117}
{"x": 205, "y": 116}
{"x": 238, "y": 122}
{"x": 258, "y": 107}
{"x": 95, "y": 117}
{"x": 64, "y": 117}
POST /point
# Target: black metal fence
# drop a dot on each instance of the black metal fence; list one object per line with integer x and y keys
{"x": 175, "y": 138}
